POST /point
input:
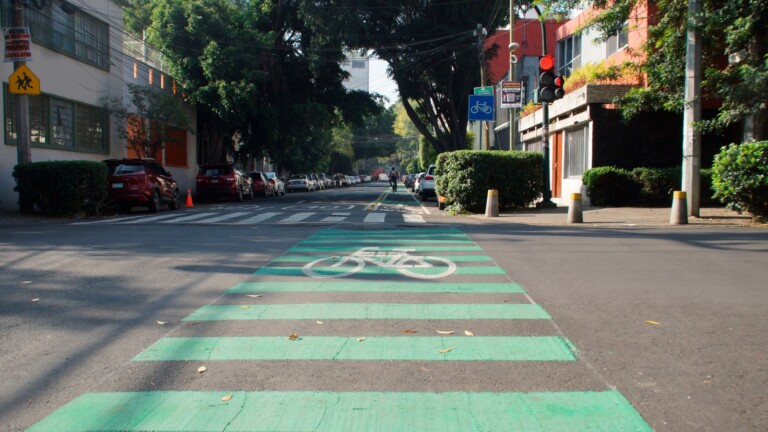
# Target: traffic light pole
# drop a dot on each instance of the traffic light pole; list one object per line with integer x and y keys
{"x": 546, "y": 201}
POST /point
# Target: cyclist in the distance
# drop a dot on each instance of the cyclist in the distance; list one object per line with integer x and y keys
{"x": 393, "y": 176}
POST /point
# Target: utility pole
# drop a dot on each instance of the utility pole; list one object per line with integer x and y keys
{"x": 692, "y": 113}
{"x": 21, "y": 102}
{"x": 512, "y": 74}
{"x": 480, "y": 33}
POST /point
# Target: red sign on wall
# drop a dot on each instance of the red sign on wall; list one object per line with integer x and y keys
{"x": 18, "y": 44}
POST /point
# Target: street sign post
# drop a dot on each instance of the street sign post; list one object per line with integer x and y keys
{"x": 487, "y": 90}
{"x": 18, "y": 44}
{"x": 24, "y": 82}
{"x": 481, "y": 107}
{"x": 512, "y": 94}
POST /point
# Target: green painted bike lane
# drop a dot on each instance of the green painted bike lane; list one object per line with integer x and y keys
{"x": 222, "y": 409}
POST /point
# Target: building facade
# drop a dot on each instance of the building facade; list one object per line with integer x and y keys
{"x": 78, "y": 55}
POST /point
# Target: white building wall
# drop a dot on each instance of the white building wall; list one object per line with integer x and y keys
{"x": 592, "y": 51}
{"x": 64, "y": 77}
{"x": 359, "y": 69}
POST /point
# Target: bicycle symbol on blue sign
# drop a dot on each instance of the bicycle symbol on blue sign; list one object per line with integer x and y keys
{"x": 481, "y": 107}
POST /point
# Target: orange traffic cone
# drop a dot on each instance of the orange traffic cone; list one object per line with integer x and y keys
{"x": 189, "y": 198}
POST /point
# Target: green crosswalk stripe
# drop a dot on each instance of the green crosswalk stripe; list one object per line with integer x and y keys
{"x": 426, "y": 348}
{"x": 379, "y": 311}
{"x": 303, "y": 411}
{"x": 420, "y": 248}
{"x": 375, "y": 270}
{"x": 376, "y": 286}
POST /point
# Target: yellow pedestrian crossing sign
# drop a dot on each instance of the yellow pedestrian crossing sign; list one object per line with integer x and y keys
{"x": 24, "y": 81}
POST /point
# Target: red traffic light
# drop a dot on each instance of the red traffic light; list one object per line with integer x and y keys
{"x": 559, "y": 81}
{"x": 546, "y": 63}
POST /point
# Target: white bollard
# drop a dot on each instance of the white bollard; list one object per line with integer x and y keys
{"x": 679, "y": 214}
{"x": 492, "y": 203}
{"x": 575, "y": 212}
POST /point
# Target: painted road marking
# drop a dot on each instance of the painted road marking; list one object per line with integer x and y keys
{"x": 222, "y": 218}
{"x": 375, "y": 218}
{"x": 378, "y": 348}
{"x": 147, "y": 219}
{"x": 298, "y": 217}
{"x": 376, "y": 286}
{"x": 258, "y": 218}
{"x": 366, "y": 240}
{"x": 454, "y": 258}
{"x": 345, "y": 248}
{"x": 333, "y": 219}
{"x": 187, "y": 218}
{"x": 329, "y": 272}
{"x": 373, "y": 311}
{"x": 303, "y": 411}
{"x": 413, "y": 218}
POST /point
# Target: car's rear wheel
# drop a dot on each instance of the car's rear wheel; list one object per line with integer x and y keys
{"x": 154, "y": 203}
{"x": 175, "y": 203}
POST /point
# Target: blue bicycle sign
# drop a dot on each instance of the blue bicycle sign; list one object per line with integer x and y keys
{"x": 481, "y": 107}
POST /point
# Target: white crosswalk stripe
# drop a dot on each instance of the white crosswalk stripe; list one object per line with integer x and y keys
{"x": 251, "y": 218}
{"x": 413, "y": 218}
{"x": 375, "y": 218}
{"x": 258, "y": 218}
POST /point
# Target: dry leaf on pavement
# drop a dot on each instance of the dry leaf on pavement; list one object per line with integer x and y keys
{"x": 227, "y": 398}
{"x": 408, "y": 331}
{"x": 244, "y": 307}
{"x": 162, "y": 322}
{"x": 445, "y": 331}
{"x": 36, "y": 299}
{"x": 468, "y": 333}
{"x": 293, "y": 336}
{"x": 254, "y": 295}
{"x": 319, "y": 322}
{"x": 202, "y": 369}
{"x": 360, "y": 339}
{"x": 653, "y": 323}
{"x": 446, "y": 350}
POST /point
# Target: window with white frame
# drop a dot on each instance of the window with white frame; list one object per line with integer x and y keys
{"x": 619, "y": 40}
{"x": 569, "y": 54}
{"x": 576, "y": 152}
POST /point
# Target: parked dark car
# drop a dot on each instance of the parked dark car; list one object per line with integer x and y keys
{"x": 223, "y": 181}
{"x": 260, "y": 184}
{"x": 141, "y": 182}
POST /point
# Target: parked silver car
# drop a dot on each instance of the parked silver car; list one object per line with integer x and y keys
{"x": 277, "y": 183}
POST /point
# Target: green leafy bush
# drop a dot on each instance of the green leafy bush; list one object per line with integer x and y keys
{"x": 61, "y": 188}
{"x": 740, "y": 177}
{"x": 611, "y": 186}
{"x": 656, "y": 185}
{"x": 465, "y": 176}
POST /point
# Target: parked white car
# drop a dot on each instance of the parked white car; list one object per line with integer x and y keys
{"x": 427, "y": 184}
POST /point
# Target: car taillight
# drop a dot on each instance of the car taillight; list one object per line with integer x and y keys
{"x": 429, "y": 178}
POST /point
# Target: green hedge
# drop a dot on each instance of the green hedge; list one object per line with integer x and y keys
{"x": 465, "y": 176}
{"x": 740, "y": 177}
{"x": 647, "y": 187}
{"x": 61, "y": 188}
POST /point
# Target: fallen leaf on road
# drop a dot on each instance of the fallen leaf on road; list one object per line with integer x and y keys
{"x": 319, "y": 322}
{"x": 36, "y": 299}
{"x": 227, "y": 398}
{"x": 408, "y": 331}
{"x": 254, "y": 295}
{"x": 162, "y": 322}
{"x": 446, "y": 350}
{"x": 653, "y": 323}
{"x": 244, "y": 307}
{"x": 468, "y": 333}
{"x": 202, "y": 369}
{"x": 445, "y": 332}
{"x": 293, "y": 336}
{"x": 360, "y": 339}
{"x": 27, "y": 282}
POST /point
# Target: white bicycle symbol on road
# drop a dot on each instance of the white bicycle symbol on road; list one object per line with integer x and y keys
{"x": 414, "y": 266}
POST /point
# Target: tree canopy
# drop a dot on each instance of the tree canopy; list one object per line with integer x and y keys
{"x": 257, "y": 72}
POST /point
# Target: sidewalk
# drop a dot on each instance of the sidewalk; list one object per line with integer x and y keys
{"x": 621, "y": 217}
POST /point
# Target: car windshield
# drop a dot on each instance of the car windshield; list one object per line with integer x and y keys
{"x": 128, "y": 169}
{"x": 270, "y": 175}
{"x": 214, "y": 171}
{"x": 298, "y": 177}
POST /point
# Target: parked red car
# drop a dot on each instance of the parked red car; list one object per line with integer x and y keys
{"x": 261, "y": 185}
{"x": 223, "y": 180}
{"x": 141, "y": 182}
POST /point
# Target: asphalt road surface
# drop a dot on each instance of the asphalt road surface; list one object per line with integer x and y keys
{"x": 357, "y": 309}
